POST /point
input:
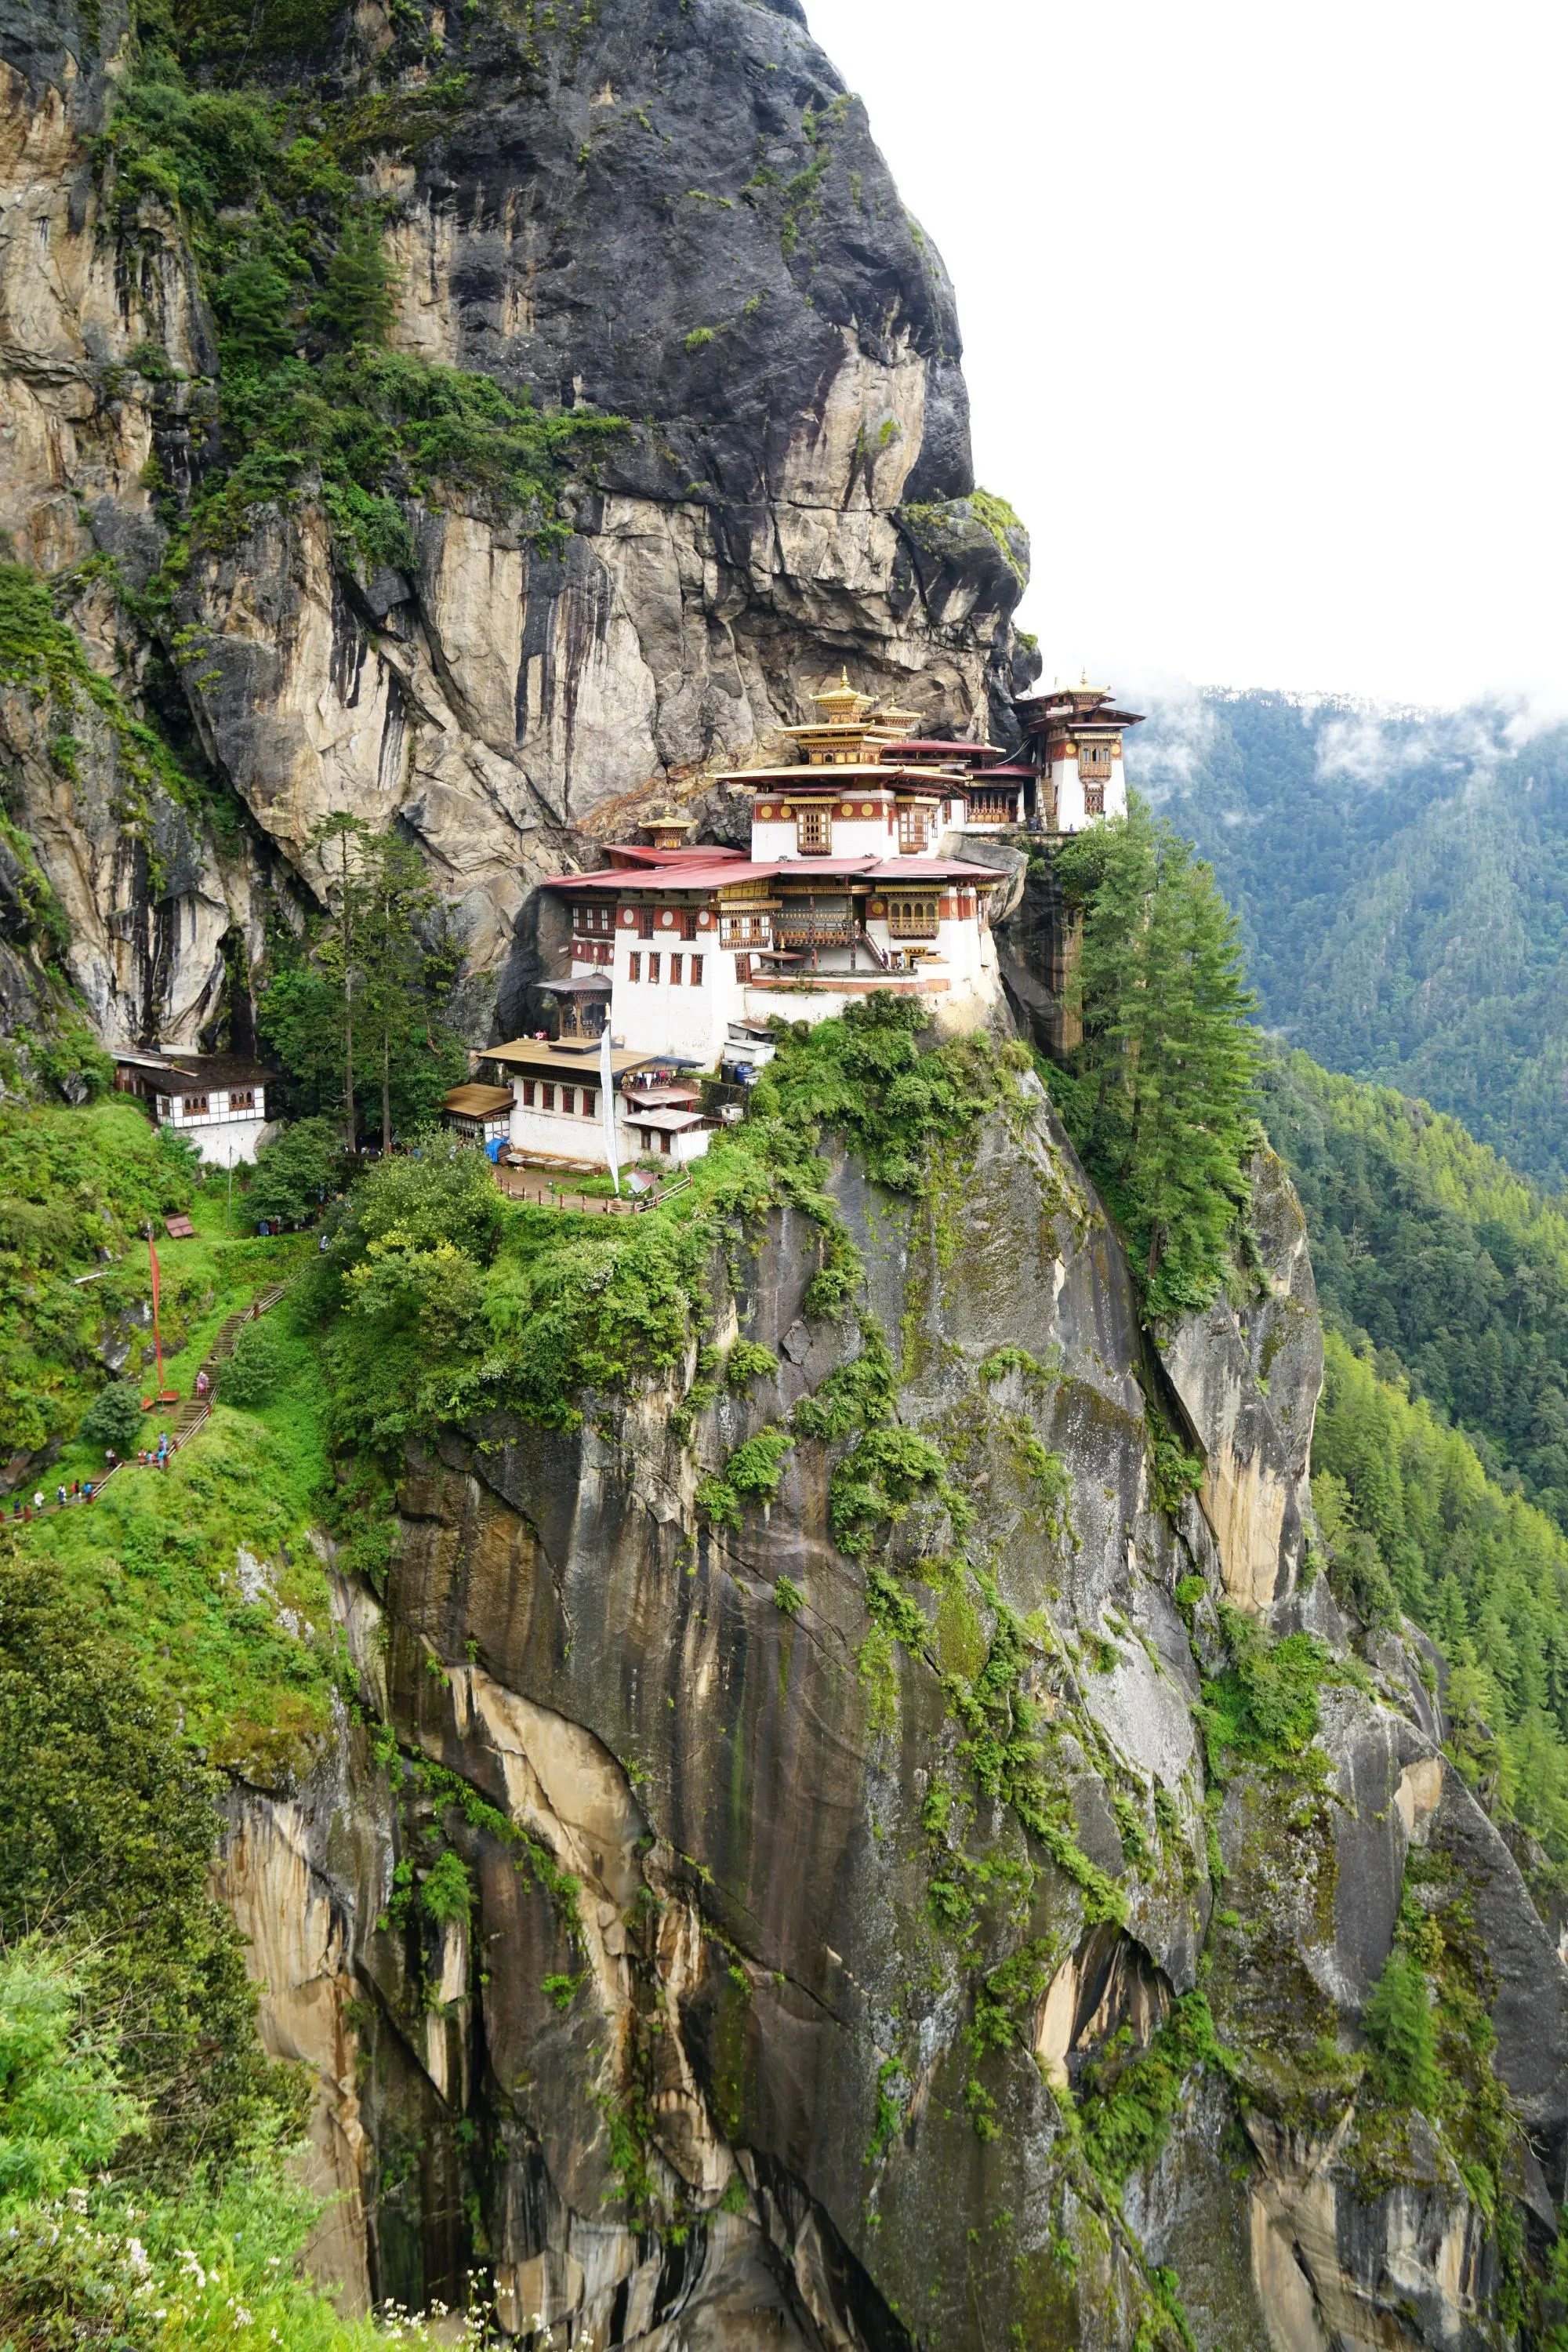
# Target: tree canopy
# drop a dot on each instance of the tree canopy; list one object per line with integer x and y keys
{"x": 1159, "y": 1092}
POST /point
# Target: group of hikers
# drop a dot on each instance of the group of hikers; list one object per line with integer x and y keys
{"x": 82, "y": 1490}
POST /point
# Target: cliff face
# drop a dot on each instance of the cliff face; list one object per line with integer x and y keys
{"x": 671, "y": 211}
{"x": 808, "y": 2053}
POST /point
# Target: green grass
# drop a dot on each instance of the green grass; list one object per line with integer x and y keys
{"x": 154, "y": 1560}
{"x": 76, "y": 1189}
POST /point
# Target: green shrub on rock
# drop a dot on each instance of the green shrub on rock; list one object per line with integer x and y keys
{"x": 113, "y": 1419}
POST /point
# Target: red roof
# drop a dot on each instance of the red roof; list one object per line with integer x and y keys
{"x": 636, "y": 853}
{"x": 733, "y": 869}
{"x": 932, "y": 869}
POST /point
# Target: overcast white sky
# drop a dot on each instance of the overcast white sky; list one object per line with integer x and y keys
{"x": 1264, "y": 318}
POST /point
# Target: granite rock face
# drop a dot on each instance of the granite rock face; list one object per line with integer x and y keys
{"x": 672, "y": 212}
{"x": 755, "y": 2008}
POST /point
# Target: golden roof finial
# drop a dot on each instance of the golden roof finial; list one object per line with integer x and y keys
{"x": 842, "y": 702}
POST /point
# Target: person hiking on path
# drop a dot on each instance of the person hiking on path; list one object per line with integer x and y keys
{"x": 60, "y": 1496}
{"x": 202, "y": 1384}
{"x": 38, "y": 1500}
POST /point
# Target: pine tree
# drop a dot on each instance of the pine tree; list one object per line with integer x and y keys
{"x": 1165, "y": 1072}
{"x": 375, "y": 987}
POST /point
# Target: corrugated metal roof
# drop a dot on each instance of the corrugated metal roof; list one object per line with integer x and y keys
{"x": 476, "y": 1102}
{"x": 539, "y": 1055}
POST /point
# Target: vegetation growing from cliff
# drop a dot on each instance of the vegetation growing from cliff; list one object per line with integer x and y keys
{"x": 1158, "y": 1096}
{"x": 444, "y": 1299}
{"x": 1128, "y": 2097}
{"x": 1262, "y": 1707}
{"x": 311, "y": 404}
{"x": 42, "y": 655}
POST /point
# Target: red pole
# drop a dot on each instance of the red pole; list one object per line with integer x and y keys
{"x": 157, "y": 1340}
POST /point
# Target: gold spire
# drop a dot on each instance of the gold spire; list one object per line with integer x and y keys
{"x": 842, "y": 704}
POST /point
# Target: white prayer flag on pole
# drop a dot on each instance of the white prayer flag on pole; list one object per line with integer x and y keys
{"x": 607, "y": 1102}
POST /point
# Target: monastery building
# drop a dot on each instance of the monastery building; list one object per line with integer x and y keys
{"x": 854, "y": 880}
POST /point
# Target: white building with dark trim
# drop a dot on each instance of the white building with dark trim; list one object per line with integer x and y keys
{"x": 218, "y": 1101}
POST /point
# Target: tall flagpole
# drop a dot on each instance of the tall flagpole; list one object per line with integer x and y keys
{"x": 157, "y": 1337}
{"x": 607, "y": 1102}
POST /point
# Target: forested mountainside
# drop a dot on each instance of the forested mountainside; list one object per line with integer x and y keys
{"x": 1437, "y": 1462}
{"x": 1401, "y": 881}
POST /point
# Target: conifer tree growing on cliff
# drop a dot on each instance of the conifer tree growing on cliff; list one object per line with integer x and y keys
{"x": 373, "y": 989}
{"x": 1160, "y": 1091}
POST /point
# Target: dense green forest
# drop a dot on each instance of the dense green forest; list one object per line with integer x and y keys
{"x": 1402, "y": 887}
{"x": 1431, "y": 1249}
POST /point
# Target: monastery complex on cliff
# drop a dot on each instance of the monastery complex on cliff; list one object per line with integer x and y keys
{"x": 855, "y": 879}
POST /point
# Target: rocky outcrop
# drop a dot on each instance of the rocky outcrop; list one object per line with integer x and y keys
{"x": 677, "y": 215}
{"x": 1247, "y": 1377}
{"x": 761, "y": 2020}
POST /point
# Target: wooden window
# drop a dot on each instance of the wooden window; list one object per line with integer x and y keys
{"x": 592, "y": 922}
{"x": 242, "y": 1098}
{"x": 664, "y": 1142}
{"x": 645, "y": 922}
{"x": 1094, "y": 800}
{"x": 1094, "y": 759}
{"x": 697, "y": 972}
{"x": 689, "y": 922}
{"x": 590, "y": 1102}
{"x": 911, "y": 919}
{"x": 813, "y": 830}
{"x": 634, "y": 966}
{"x": 527, "y": 1094}
{"x": 652, "y": 968}
{"x": 675, "y": 963}
{"x": 194, "y": 1106}
{"x": 547, "y": 1098}
{"x": 743, "y": 968}
{"x": 912, "y": 829}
